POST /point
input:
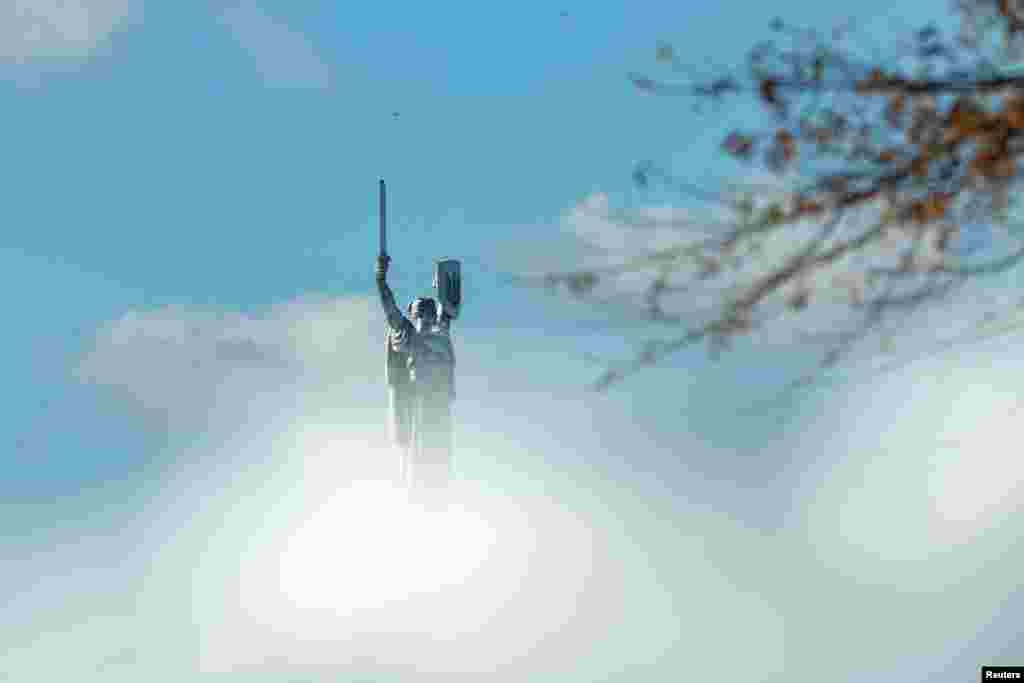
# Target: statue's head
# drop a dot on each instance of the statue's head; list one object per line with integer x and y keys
{"x": 423, "y": 312}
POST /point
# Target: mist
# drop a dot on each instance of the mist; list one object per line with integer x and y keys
{"x": 271, "y": 545}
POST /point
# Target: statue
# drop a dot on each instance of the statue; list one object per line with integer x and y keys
{"x": 421, "y": 374}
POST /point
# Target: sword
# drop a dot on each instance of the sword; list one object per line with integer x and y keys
{"x": 383, "y": 211}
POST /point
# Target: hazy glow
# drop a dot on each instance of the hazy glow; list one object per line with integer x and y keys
{"x": 283, "y": 556}
{"x": 370, "y": 546}
{"x": 979, "y": 475}
{"x": 931, "y": 471}
{"x": 348, "y": 567}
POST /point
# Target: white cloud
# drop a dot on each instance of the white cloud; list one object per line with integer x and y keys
{"x": 285, "y": 57}
{"x": 927, "y": 478}
{"x": 280, "y": 526}
{"x": 598, "y": 222}
{"x": 267, "y": 553}
{"x": 187, "y": 365}
{"x": 32, "y": 30}
{"x": 594, "y": 221}
{"x": 837, "y": 291}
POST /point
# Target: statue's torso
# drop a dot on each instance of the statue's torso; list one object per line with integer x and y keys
{"x": 431, "y": 360}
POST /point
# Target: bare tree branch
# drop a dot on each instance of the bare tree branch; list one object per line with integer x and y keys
{"x": 894, "y": 164}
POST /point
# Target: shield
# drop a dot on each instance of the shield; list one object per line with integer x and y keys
{"x": 448, "y": 283}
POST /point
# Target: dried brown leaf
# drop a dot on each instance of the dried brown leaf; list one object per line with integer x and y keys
{"x": 895, "y": 109}
{"x": 769, "y": 92}
{"x": 738, "y": 145}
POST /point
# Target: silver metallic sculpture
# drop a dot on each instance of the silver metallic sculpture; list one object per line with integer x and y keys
{"x": 420, "y": 371}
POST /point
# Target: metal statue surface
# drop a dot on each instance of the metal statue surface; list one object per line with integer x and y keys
{"x": 420, "y": 371}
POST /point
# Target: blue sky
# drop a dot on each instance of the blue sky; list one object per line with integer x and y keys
{"x": 191, "y": 361}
